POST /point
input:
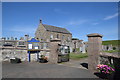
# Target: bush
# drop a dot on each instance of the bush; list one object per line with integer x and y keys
{"x": 105, "y": 69}
{"x": 114, "y": 48}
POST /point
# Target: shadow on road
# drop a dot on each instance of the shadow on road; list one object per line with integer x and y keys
{"x": 84, "y": 65}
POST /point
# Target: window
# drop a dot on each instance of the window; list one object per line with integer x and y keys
{"x": 30, "y": 46}
{"x": 63, "y": 37}
{"x": 42, "y": 46}
{"x": 41, "y": 39}
{"x": 68, "y": 38}
{"x": 21, "y": 43}
{"x": 58, "y": 36}
{"x": 51, "y": 36}
{"x": 35, "y": 45}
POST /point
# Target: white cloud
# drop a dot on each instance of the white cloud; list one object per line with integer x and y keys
{"x": 110, "y": 17}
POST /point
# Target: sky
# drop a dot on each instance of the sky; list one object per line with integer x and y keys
{"x": 80, "y": 18}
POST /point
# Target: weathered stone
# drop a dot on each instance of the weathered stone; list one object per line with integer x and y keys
{"x": 42, "y": 34}
{"x": 83, "y": 48}
{"x": 54, "y": 51}
{"x": 94, "y": 35}
{"x": 7, "y": 54}
{"x": 94, "y": 49}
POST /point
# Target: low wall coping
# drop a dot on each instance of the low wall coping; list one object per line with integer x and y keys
{"x": 94, "y": 35}
{"x": 114, "y": 54}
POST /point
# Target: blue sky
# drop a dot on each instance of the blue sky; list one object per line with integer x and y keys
{"x": 80, "y": 18}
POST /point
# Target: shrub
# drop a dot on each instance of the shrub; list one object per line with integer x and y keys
{"x": 114, "y": 48}
{"x": 105, "y": 69}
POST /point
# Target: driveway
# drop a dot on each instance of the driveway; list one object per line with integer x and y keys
{"x": 41, "y": 70}
{"x": 78, "y": 63}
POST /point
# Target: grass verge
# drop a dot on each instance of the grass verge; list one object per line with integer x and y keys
{"x": 111, "y": 51}
{"x": 78, "y": 56}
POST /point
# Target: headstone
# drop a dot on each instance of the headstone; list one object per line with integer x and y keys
{"x": 8, "y": 38}
{"x": 12, "y": 38}
{"x": 105, "y": 48}
{"x": 94, "y": 49}
{"x": 83, "y": 49}
{"x": 110, "y": 48}
{"x": 26, "y": 37}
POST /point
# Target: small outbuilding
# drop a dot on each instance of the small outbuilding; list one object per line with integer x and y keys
{"x": 33, "y": 49}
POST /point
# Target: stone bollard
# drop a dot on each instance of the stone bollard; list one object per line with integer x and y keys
{"x": 54, "y": 51}
{"x": 94, "y": 49}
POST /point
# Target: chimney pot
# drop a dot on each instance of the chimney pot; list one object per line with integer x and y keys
{"x": 40, "y": 21}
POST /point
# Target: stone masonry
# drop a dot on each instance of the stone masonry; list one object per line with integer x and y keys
{"x": 47, "y": 32}
{"x": 94, "y": 49}
{"x": 54, "y": 51}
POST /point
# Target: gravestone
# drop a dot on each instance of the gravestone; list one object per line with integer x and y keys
{"x": 94, "y": 49}
{"x": 110, "y": 47}
{"x": 83, "y": 48}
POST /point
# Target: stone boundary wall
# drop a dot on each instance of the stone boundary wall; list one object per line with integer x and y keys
{"x": 7, "y": 54}
{"x": 107, "y": 58}
{"x": 110, "y": 47}
{"x": 112, "y": 59}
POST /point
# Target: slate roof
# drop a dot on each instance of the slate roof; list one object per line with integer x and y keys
{"x": 56, "y": 29}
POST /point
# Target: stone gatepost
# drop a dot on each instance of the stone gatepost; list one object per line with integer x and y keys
{"x": 54, "y": 51}
{"x": 94, "y": 49}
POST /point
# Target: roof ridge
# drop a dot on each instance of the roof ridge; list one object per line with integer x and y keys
{"x": 53, "y": 26}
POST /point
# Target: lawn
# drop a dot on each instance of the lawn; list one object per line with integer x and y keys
{"x": 111, "y": 51}
{"x": 78, "y": 56}
{"x": 113, "y": 42}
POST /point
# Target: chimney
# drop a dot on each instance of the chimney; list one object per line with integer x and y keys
{"x": 40, "y": 21}
{"x": 26, "y": 37}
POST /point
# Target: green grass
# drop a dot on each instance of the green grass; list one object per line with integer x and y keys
{"x": 78, "y": 56}
{"x": 78, "y": 49}
{"x": 111, "y": 51}
{"x": 113, "y": 42}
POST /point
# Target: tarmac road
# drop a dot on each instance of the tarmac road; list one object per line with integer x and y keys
{"x": 41, "y": 70}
